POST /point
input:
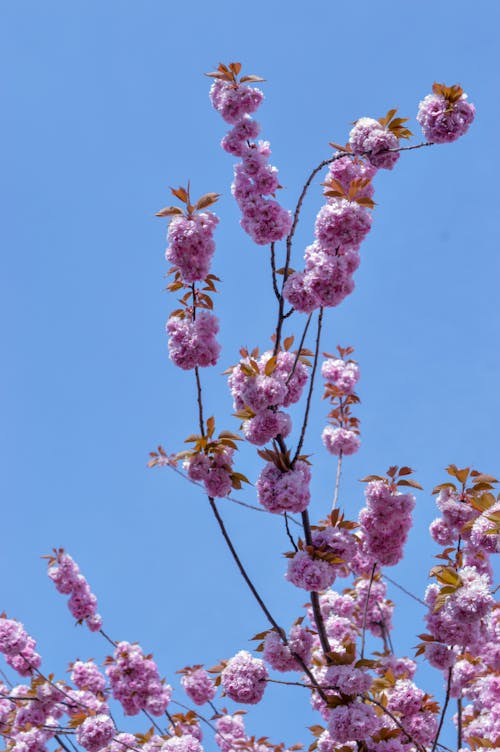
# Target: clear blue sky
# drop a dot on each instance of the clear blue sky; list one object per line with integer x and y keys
{"x": 104, "y": 106}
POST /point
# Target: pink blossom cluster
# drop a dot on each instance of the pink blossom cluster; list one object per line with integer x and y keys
{"x": 191, "y": 244}
{"x": 288, "y": 491}
{"x": 198, "y": 685}
{"x": 281, "y": 657}
{"x": 213, "y": 470}
{"x": 309, "y": 572}
{"x": 66, "y": 576}
{"x": 18, "y": 647}
{"x": 340, "y": 440}
{"x": 373, "y": 609}
{"x": 460, "y": 519}
{"x": 443, "y": 118}
{"x": 356, "y": 721}
{"x": 343, "y": 374}
{"x": 86, "y": 676}
{"x": 462, "y": 620}
{"x": 341, "y": 225}
{"x": 95, "y": 732}
{"x": 260, "y": 391}
{"x": 385, "y": 522}
{"x": 230, "y": 732}
{"x": 244, "y": 678}
{"x": 192, "y": 341}
{"x": 135, "y": 681}
{"x": 375, "y": 141}
{"x": 264, "y": 219}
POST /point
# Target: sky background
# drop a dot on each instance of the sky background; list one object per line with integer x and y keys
{"x": 104, "y": 106}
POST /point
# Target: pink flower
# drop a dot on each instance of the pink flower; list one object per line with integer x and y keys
{"x": 284, "y": 491}
{"x": 234, "y": 101}
{"x": 310, "y": 574}
{"x": 198, "y": 685}
{"x": 244, "y": 678}
{"x": 444, "y": 120}
{"x": 344, "y": 374}
{"x": 340, "y": 440}
{"x": 95, "y": 732}
{"x": 369, "y": 137}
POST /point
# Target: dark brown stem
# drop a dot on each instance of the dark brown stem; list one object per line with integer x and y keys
{"x": 107, "y": 637}
{"x": 242, "y": 569}
{"x": 396, "y": 721}
{"x": 365, "y": 612}
{"x": 318, "y": 616}
{"x": 311, "y": 388}
{"x": 299, "y": 349}
{"x": 290, "y": 536}
{"x": 258, "y": 598}
{"x": 459, "y": 723}
{"x": 200, "y": 401}
{"x": 273, "y": 269}
{"x": 61, "y": 743}
{"x": 445, "y": 706}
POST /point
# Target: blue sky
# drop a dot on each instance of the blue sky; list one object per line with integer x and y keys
{"x": 104, "y": 107}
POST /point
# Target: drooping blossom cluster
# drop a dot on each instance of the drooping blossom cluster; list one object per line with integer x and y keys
{"x": 198, "y": 685}
{"x": 211, "y": 461}
{"x": 445, "y": 115}
{"x": 255, "y": 180}
{"x": 244, "y": 678}
{"x": 95, "y": 732}
{"x": 86, "y": 676}
{"x": 281, "y": 656}
{"x": 18, "y": 647}
{"x": 284, "y": 490}
{"x": 341, "y": 436}
{"x": 260, "y": 386}
{"x": 192, "y": 341}
{"x": 135, "y": 681}
{"x": 385, "y": 521}
{"x": 66, "y": 576}
{"x": 192, "y": 329}
{"x": 341, "y": 226}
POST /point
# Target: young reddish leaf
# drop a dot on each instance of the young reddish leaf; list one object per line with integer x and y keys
{"x": 207, "y": 200}
{"x": 181, "y": 194}
{"x": 169, "y": 211}
{"x": 412, "y": 483}
{"x": 251, "y": 79}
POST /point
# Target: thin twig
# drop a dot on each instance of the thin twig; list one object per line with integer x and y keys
{"x": 337, "y": 481}
{"x": 299, "y": 349}
{"x": 253, "y": 589}
{"x": 273, "y": 269}
{"x": 365, "y": 612}
{"x": 311, "y": 387}
{"x": 404, "y": 590}
{"x": 318, "y": 616}
{"x": 459, "y": 723}
{"x": 108, "y": 638}
{"x": 445, "y": 706}
{"x": 200, "y": 401}
{"x": 290, "y": 536}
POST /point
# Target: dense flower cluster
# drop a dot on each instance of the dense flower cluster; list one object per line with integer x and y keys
{"x": 214, "y": 471}
{"x": 369, "y": 137}
{"x": 288, "y": 491}
{"x": 66, "y": 576}
{"x": 264, "y": 219}
{"x": 86, "y": 676}
{"x": 341, "y": 225}
{"x": 341, "y": 436}
{"x": 280, "y": 656}
{"x": 191, "y": 244}
{"x": 18, "y": 647}
{"x": 135, "y": 681}
{"x": 192, "y": 340}
{"x": 198, "y": 685}
{"x": 385, "y": 522}
{"x": 445, "y": 115}
{"x": 95, "y": 732}
{"x": 244, "y": 678}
